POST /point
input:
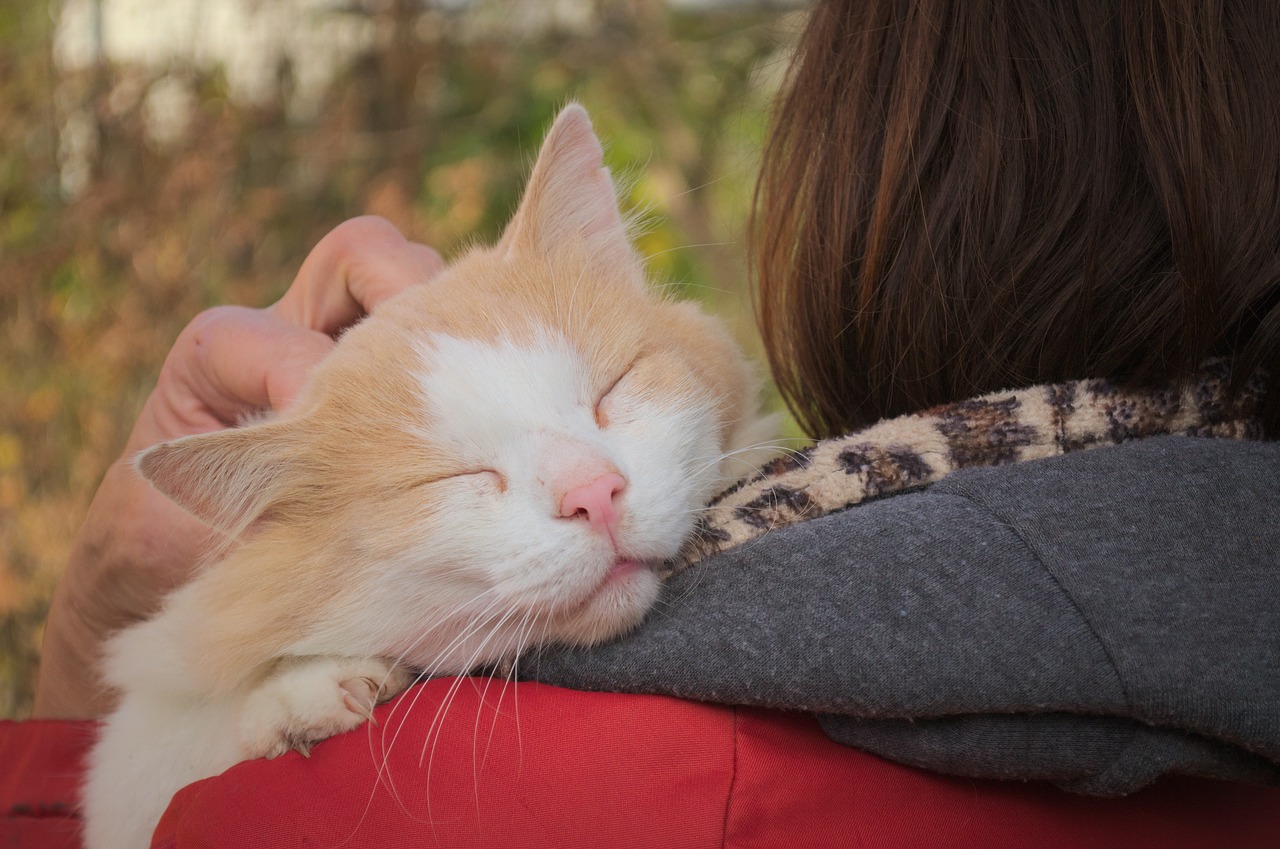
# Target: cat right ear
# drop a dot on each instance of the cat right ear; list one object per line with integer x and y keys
{"x": 570, "y": 196}
{"x": 225, "y": 479}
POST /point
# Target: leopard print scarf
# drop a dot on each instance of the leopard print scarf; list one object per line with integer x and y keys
{"x": 1004, "y": 427}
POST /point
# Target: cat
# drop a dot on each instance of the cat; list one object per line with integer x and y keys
{"x": 509, "y": 449}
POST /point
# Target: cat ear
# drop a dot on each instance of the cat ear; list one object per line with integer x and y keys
{"x": 570, "y": 195}
{"x": 225, "y": 479}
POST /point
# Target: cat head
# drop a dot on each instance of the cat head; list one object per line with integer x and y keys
{"x": 511, "y": 447}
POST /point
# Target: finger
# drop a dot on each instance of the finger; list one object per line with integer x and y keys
{"x": 230, "y": 361}
{"x": 359, "y": 264}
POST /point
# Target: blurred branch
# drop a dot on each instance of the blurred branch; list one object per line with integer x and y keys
{"x": 432, "y": 123}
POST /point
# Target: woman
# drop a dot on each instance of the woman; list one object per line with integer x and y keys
{"x": 966, "y": 208}
{"x": 958, "y": 199}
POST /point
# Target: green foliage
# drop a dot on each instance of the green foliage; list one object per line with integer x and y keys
{"x": 107, "y": 252}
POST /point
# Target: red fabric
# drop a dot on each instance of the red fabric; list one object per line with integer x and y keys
{"x": 537, "y": 766}
{"x": 41, "y": 762}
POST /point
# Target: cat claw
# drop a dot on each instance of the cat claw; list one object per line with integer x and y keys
{"x": 312, "y": 699}
{"x": 356, "y": 706}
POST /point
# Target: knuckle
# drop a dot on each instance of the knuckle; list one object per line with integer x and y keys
{"x": 355, "y": 234}
{"x": 296, "y": 352}
{"x": 207, "y": 337}
{"x": 430, "y": 258}
{"x": 205, "y": 327}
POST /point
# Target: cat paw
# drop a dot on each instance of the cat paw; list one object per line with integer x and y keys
{"x": 308, "y": 699}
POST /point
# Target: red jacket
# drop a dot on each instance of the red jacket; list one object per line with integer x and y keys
{"x": 536, "y": 766}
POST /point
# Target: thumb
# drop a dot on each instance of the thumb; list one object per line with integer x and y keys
{"x": 231, "y": 361}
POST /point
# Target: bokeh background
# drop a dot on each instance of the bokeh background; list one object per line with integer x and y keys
{"x": 161, "y": 156}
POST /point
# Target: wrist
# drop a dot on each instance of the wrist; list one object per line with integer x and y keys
{"x": 111, "y": 581}
{"x": 69, "y": 683}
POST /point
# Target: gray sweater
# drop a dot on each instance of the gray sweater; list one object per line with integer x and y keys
{"x": 1096, "y": 620}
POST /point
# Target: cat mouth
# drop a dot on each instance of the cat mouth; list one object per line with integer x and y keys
{"x": 623, "y": 570}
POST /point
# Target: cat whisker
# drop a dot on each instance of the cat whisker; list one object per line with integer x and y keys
{"x": 467, "y": 610}
{"x": 477, "y": 618}
{"x": 426, "y": 672}
{"x": 384, "y": 769}
{"x": 731, "y": 172}
{"x": 688, "y": 286}
{"x": 437, "y": 725}
{"x": 442, "y": 710}
{"x": 383, "y": 776}
{"x": 773, "y": 444}
{"x": 515, "y": 680}
{"x": 671, "y": 603}
{"x": 689, "y": 247}
{"x": 475, "y": 657}
{"x": 517, "y": 642}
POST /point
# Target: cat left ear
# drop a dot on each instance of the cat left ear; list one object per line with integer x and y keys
{"x": 570, "y": 195}
{"x": 225, "y": 479}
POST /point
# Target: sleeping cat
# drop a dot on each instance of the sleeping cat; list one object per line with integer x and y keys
{"x": 506, "y": 451}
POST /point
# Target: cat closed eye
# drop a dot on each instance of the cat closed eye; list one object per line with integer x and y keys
{"x": 601, "y": 411}
{"x": 489, "y": 478}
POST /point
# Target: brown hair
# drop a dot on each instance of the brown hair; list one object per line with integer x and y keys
{"x": 963, "y": 196}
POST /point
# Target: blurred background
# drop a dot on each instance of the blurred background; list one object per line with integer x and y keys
{"x": 161, "y": 156}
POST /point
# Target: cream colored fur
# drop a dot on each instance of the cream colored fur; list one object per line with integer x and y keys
{"x": 405, "y": 513}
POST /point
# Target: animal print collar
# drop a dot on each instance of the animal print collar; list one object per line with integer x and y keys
{"x": 1004, "y": 427}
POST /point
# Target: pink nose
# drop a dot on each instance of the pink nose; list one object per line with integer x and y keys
{"x": 594, "y": 501}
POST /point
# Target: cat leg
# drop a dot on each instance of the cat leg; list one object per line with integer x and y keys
{"x": 307, "y": 699}
{"x": 169, "y": 729}
{"x": 153, "y": 745}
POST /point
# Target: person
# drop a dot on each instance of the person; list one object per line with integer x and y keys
{"x": 136, "y": 545}
{"x": 958, "y": 199}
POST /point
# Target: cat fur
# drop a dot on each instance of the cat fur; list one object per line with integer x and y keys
{"x": 407, "y": 511}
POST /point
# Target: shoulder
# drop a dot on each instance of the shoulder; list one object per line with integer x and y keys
{"x": 1198, "y": 502}
{"x": 1172, "y": 488}
{"x": 1166, "y": 462}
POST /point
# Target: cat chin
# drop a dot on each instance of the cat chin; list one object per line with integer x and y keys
{"x": 617, "y": 605}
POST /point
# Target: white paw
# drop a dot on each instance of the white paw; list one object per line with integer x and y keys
{"x": 308, "y": 699}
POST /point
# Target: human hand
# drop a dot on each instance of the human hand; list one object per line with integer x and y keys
{"x": 135, "y": 544}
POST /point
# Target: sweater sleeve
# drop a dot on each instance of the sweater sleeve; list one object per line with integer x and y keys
{"x": 1096, "y": 619}
{"x": 41, "y": 767}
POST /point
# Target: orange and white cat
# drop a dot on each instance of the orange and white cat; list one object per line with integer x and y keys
{"x": 500, "y": 456}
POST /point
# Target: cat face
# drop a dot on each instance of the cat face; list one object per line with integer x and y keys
{"x": 497, "y": 457}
